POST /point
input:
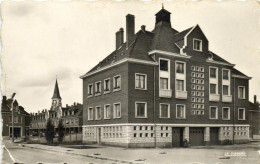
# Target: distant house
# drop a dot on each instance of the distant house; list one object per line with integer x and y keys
{"x": 21, "y": 119}
{"x": 71, "y": 116}
{"x": 254, "y": 119}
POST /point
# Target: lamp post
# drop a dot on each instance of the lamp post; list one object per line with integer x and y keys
{"x": 12, "y": 98}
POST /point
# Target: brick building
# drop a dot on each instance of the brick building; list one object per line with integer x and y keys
{"x": 70, "y": 115}
{"x": 162, "y": 87}
{"x": 21, "y": 119}
{"x": 254, "y": 119}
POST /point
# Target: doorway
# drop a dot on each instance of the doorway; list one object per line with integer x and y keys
{"x": 177, "y": 137}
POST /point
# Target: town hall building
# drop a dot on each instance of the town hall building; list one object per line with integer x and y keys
{"x": 162, "y": 88}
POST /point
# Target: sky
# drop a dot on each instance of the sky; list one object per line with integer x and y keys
{"x": 42, "y": 40}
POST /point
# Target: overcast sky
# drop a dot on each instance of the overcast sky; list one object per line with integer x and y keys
{"x": 43, "y": 39}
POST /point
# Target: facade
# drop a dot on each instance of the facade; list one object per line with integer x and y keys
{"x": 162, "y": 88}
{"x": 71, "y": 116}
{"x": 21, "y": 119}
{"x": 254, "y": 119}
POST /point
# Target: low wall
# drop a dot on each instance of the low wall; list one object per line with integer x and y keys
{"x": 256, "y": 137}
{"x": 68, "y": 138}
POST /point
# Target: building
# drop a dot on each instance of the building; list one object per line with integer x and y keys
{"x": 254, "y": 119}
{"x": 71, "y": 116}
{"x": 162, "y": 88}
{"x": 21, "y": 119}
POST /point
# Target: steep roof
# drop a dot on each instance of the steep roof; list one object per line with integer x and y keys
{"x": 56, "y": 93}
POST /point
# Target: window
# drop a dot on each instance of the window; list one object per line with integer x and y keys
{"x": 98, "y": 87}
{"x": 107, "y": 112}
{"x": 164, "y": 65}
{"x": 213, "y": 114}
{"x": 117, "y": 110}
{"x": 213, "y": 72}
{"x": 225, "y": 89}
{"x": 140, "y": 109}
{"x": 179, "y": 67}
{"x": 98, "y": 113}
{"x": 197, "y": 45}
{"x": 241, "y": 92}
{"x": 241, "y": 114}
{"x": 213, "y": 88}
{"x": 140, "y": 81}
{"x": 107, "y": 85}
{"x": 164, "y": 111}
{"x": 225, "y": 74}
{"x": 117, "y": 82}
{"x": 90, "y": 89}
{"x": 90, "y": 114}
{"x": 163, "y": 83}
{"x": 180, "y": 111}
{"x": 226, "y": 113}
{"x": 180, "y": 85}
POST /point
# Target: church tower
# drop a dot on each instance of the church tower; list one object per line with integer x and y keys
{"x": 56, "y": 99}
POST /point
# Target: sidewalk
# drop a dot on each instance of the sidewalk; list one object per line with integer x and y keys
{"x": 200, "y": 155}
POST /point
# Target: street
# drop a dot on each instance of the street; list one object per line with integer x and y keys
{"x": 37, "y": 153}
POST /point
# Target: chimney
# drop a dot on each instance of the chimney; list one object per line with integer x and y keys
{"x": 74, "y": 103}
{"x": 67, "y": 105}
{"x": 255, "y": 99}
{"x": 119, "y": 38}
{"x": 130, "y": 29}
{"x": 143, "y": 28}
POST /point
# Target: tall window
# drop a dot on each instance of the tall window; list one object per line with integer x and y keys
{"x": 179, "y": 67}
{"x": 225, "y": 74}
{"x": 225, "y": 89}
{"x": 117, "y": 110}
{"x": 226, "y": 113}
{"x": 213, "y": 72}
{"x": 98, "y": 87}
{"x": 140, "y": 81}
{"x": 213, "y": 88}
{"x": 164, "y": 111}
{"x": 106, "y": 111}
{"x": 197, "y": 44}
{"x": 180, "y": 111}
{"x": 163, "y": 83}
{"x": 117, "y": 82}
{"x": 140, "y": 109}
{"x": 241, "y": 92}
{"x": 90, "y": 89}
{"x": 241, "y": 114}
{"x": 164, "y": 65}
{"x": 107, "y": 85}
{"x": 213, "y": 114}
{"x": 180, "y": 85}
{"x": 98, "y": 113}
{"x": 90, "y": 114}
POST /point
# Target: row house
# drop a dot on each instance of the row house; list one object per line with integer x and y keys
{"x": 254, "y": 119}
{"x": 163, "y": 87}
{"x": 20, "y": 116}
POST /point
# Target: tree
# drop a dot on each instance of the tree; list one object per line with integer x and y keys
{"x": 61, "y": 130}
{"x": 49, "y": 131}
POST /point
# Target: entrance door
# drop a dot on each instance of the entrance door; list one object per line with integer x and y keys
{"x": 214, "y": 136}
{"x": 98, "y": 135}
{"x": 196, "y": 136}
{"x": 17, "y": 132}
{"x": 177, "y": 137}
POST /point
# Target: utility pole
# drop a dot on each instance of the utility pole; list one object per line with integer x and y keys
{"x": 12, "y": 98}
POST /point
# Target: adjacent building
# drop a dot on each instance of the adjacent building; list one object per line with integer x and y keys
{"x": 163, "y": 87}
{"x": 71, "y": 116}
{"x": 21, "y": 119}
{"x": 254, "y": 119}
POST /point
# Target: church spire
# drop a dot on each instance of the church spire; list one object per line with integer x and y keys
{"x": 56, "y": 93}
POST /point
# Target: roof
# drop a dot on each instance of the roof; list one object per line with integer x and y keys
{"x": 56, "y": 93}
{"x": 78, "y": 109}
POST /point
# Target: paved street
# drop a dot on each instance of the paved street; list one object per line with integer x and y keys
{"x": 36, "y": 153}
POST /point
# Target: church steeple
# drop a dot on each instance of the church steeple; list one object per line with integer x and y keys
{"x": 163, "y": 15}
{"x": 56, "y": 98}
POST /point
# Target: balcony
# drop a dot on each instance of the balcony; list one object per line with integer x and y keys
{"x": 165, "y": 93}
{"x": 214, "y": 97}
{"x": 227, "y": 98}
{"x": 181, "y": 94}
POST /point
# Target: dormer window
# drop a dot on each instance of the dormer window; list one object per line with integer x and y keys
{"x": 197, "y": 44}
{"x": 163, "y": 65}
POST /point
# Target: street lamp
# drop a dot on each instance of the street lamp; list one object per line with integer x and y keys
{"x": 12, "y": 98}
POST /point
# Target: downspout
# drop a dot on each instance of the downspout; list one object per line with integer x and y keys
{"x": 154, "y": 106}
{"x": 234, "y": 111}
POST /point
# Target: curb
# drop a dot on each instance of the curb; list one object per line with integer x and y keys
{"x": 89, "y": 156}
